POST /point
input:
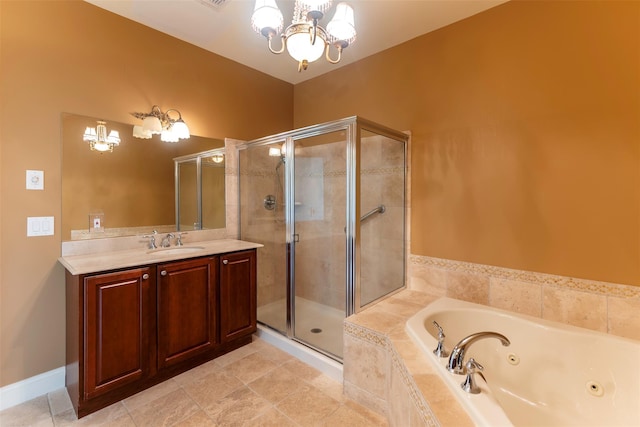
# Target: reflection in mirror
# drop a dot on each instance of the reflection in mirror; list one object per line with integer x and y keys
{"x": 131, "y": 190}
{"x": 200, "y": 183}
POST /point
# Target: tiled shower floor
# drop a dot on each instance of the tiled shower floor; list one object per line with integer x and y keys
{"x": 316, "y": 324}
{"x": 255, "y": 385}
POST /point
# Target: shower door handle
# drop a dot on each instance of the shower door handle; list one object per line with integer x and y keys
{"x": 296, "y": 238}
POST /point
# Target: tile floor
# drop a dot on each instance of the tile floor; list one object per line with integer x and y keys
{"x": 255, "y": 385}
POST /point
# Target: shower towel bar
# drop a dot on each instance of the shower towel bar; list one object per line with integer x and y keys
{"x": 379, "y": 209}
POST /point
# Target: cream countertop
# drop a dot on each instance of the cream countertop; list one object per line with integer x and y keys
{"x": 111, "y": 260}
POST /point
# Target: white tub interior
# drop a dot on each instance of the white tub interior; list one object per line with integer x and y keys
{"x": 551, "y": 374}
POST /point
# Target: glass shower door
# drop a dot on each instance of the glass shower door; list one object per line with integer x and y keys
{"x": 319, "y": 240}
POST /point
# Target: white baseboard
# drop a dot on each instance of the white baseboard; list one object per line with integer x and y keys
{"x": 30, "y": 388}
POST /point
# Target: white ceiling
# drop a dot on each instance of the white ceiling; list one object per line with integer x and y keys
{"x": 226, "y": 30}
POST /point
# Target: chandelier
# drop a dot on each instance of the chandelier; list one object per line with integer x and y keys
{"x": 99, "y": 140}
{"x": 157, "y": 122}
{"x": 305, "y": 39}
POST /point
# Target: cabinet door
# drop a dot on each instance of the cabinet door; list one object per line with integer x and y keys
{"x": 186, "y": 309}
{"x": 117, "y": 327}
{"x": 237, "y": 295}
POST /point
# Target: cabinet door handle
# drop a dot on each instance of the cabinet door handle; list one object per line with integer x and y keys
{"x": 225, "y": 261}
{"x": 163, "y": 273}
{"x": 145, "y": 276}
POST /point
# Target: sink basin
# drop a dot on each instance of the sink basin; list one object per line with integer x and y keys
{"x": 176, "y": 250}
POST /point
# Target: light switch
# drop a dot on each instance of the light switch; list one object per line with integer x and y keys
{"x": 35, "y": 180}
{"x": 40, "y": 226}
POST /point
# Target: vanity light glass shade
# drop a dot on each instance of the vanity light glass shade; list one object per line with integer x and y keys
{"x": 168, "y": 135}
{"x": 218, "y": 158}
{"x": 266, "y": 15}
{"x": 139, "y": 132}
{"x": 342, "y": 26}
{"x": 180, "y": 129}
{"x": 151, "y": 124}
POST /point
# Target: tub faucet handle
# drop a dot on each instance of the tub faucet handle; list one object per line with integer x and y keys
{"x": 440, "y": 351}
{"x": 469, "y": 384}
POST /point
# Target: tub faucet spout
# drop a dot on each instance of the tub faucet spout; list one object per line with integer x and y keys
{"x": 456, "y": 360}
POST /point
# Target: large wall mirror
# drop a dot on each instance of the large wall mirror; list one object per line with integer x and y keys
{"x": 132, "y": 189}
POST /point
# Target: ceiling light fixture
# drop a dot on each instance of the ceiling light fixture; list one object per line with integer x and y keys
{"x": 98, "y": 139}
{"x": 157, "y": 122}
{"x": 305, "y": 39}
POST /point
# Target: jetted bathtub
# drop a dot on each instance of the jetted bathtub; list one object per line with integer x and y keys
{"x": 550, "y": 375}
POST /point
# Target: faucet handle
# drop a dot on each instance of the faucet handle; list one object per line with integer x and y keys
{"x": 152, "y": 239}
{"x": 469, "y": 385}
{"x": 440, "y": 351}
{"x": 179, "y": 238}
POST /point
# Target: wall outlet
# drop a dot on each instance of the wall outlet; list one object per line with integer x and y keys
{"x": 40, "y": 226}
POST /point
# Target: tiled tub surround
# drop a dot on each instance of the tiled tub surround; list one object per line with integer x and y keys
{"x": 385, "y": 371}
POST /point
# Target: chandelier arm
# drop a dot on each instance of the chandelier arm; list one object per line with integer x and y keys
{"x": 284, "y": 44}
{"x": 314, "y": 31}
{"x": 328, "y": 57}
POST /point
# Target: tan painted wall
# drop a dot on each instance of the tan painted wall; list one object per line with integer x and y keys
{"x": 70, "y": 56}
{"x": 526, "y": 134}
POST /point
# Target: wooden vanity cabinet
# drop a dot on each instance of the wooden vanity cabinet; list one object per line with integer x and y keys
{"x": 110, "y": 335}
{"x": 130, "y": 329}
{"x": 238, "y": 295}
{"x": 187, "y": 309}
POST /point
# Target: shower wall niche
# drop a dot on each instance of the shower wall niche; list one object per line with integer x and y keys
{"x": 328, "y": 204}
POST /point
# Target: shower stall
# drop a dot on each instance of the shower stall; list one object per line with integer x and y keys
{"x": 328, "y": 204}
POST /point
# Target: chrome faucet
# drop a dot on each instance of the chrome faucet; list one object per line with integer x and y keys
{"x": 456, "y": 360}
{"x": 152, "y": 239}
{"x": 166, "y": 240}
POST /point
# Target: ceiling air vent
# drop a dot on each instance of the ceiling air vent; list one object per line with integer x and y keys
{"x": 215, "y": 4}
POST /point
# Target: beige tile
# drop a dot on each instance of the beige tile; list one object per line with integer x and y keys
{"x": 376, "y": 319}
{"x": 330, "y": 387}
{"x": 237, "y": 408}
{"x": 302, "y": 370}
{"x": 199, "y": 419}
{"x": 166, "y": 410}
{"x": 59, "y": 401}
{"x": 450, "y": 415}
{"x": 365, "y": 365}
{"x": 364, "y": 398}
{"x": 196, "y": 373}
{"x": 575, "y": 308}
{"x": 345, "y": 416}
{"x": 413, "y": 357}
{"x": 275, "y": 355}
{"x": 33, "y": 412}
{"x": 427, "y": 279}
{"x": 271, "y": 418}
{"x": 373, "y": 417}
{"x": 416, "y": 297}
{"x": 277, "y": 384}
{"x": 308, "y": 405}
{"x": 400, "y": 402}
{"x": 112, "y": 415}
{"x": 399, "y": 307}
{"x": 516, "y": 296}
{"x": 250, "y": 367}
{"x": 208, "y": 390}
{"x": 468, "y": 287}
{"x": 149, "y": 395}
{"x": 624, "y": 317}
{"x": 235, "y": 355}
